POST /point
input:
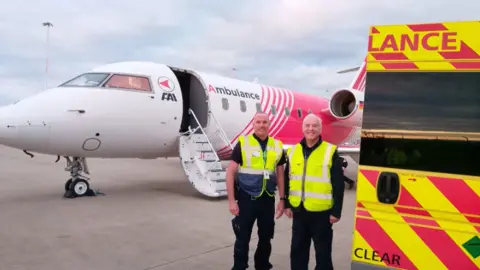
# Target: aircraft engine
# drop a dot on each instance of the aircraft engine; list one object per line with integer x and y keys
{"x": 342, "y": 104}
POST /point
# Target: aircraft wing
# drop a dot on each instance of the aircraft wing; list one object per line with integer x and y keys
{"x": 348, "y": 70}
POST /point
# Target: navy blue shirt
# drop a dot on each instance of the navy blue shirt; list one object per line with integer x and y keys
{"x": 336, "y": 175}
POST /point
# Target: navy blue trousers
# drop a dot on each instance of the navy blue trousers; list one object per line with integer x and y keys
{"x": 263, "y": 211}
{"x": 308, "y": 226}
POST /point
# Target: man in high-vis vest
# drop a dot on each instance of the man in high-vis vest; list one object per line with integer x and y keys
{"x": 314, "y": 188}
{"x": 257, "y": 161}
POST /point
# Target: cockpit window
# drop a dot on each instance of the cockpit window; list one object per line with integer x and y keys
{"x": 87, "y": 80}
{"x": 129, "y": 82}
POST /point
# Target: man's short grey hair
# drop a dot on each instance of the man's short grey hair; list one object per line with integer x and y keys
{"x": 261, "y": 113}
{"x": 313, "y": 116}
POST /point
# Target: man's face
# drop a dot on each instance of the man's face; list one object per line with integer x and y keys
{"x": 311, "y": 128}
{"x": 261, "y": 124}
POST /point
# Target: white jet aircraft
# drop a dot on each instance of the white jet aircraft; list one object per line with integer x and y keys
{"x": 148, "y": 110}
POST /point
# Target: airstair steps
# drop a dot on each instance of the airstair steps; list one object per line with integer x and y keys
{"x": 203, "y": 146}
{"x": 202, "y": 168}
{"x": 200, "y": 161}
{"x": 207, "y": 155}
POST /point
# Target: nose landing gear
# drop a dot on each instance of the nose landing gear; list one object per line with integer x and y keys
{"x": 77, "y": 185}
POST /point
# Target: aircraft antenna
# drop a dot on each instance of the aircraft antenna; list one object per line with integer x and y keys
{"x": 47, "y": 25}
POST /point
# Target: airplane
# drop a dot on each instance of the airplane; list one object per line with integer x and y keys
{"x": 147, "y": 110}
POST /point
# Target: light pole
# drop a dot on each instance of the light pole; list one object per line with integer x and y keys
{"x": 48, "y": 25}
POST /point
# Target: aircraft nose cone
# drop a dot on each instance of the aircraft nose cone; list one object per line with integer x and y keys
{"x": 23, "y": 135}
{"x": 7, "y": 132}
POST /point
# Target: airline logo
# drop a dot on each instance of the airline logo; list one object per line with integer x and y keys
{"x": 166, "y": 84}
{"x": 232, "y": 92}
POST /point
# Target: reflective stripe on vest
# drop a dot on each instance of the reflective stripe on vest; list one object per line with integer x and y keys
{"x": 254, "y": 171}
{"x": 251, "y": 173}
{"x": 310, "y": 179}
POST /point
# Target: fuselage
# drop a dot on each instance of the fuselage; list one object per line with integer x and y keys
{"x": 136, "y": 110}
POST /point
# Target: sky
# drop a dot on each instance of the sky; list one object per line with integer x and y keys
{"x": 295, "y": 44}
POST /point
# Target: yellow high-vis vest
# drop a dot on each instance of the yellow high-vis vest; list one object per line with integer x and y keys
{"x": 310, "y": 180}
{"x": 257, "y": 172}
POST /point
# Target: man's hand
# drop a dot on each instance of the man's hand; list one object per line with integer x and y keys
{"x": 288, "y": 212}
{"x": 333, "y": 219}
{"x": 280, "y": 208}
{"x": 233, "y": 207}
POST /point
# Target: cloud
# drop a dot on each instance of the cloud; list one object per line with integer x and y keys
{"x": 297, "y": 44}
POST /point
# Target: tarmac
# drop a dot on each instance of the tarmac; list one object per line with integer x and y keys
{"x": 150, "y": 218}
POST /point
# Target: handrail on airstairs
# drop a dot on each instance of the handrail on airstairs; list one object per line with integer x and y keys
{"x": 190, "y": 111}
{"x": 225, "y": 138}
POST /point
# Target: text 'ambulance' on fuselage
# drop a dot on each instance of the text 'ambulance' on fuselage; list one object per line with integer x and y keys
{"x": 230, "y": 92}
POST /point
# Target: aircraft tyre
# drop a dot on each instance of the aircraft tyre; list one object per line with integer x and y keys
{"x": 67, "y": 184}
{"x": 76, "y": 188}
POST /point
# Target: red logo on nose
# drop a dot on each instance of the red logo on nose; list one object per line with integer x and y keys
{"x": 166, "y": 84}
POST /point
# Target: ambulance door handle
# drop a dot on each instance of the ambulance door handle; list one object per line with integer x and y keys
{"x": 388, "y": 187}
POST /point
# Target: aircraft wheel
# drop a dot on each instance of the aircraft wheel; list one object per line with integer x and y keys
{"x": 79, "y": 187}
{"x": 67, "y": 184}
